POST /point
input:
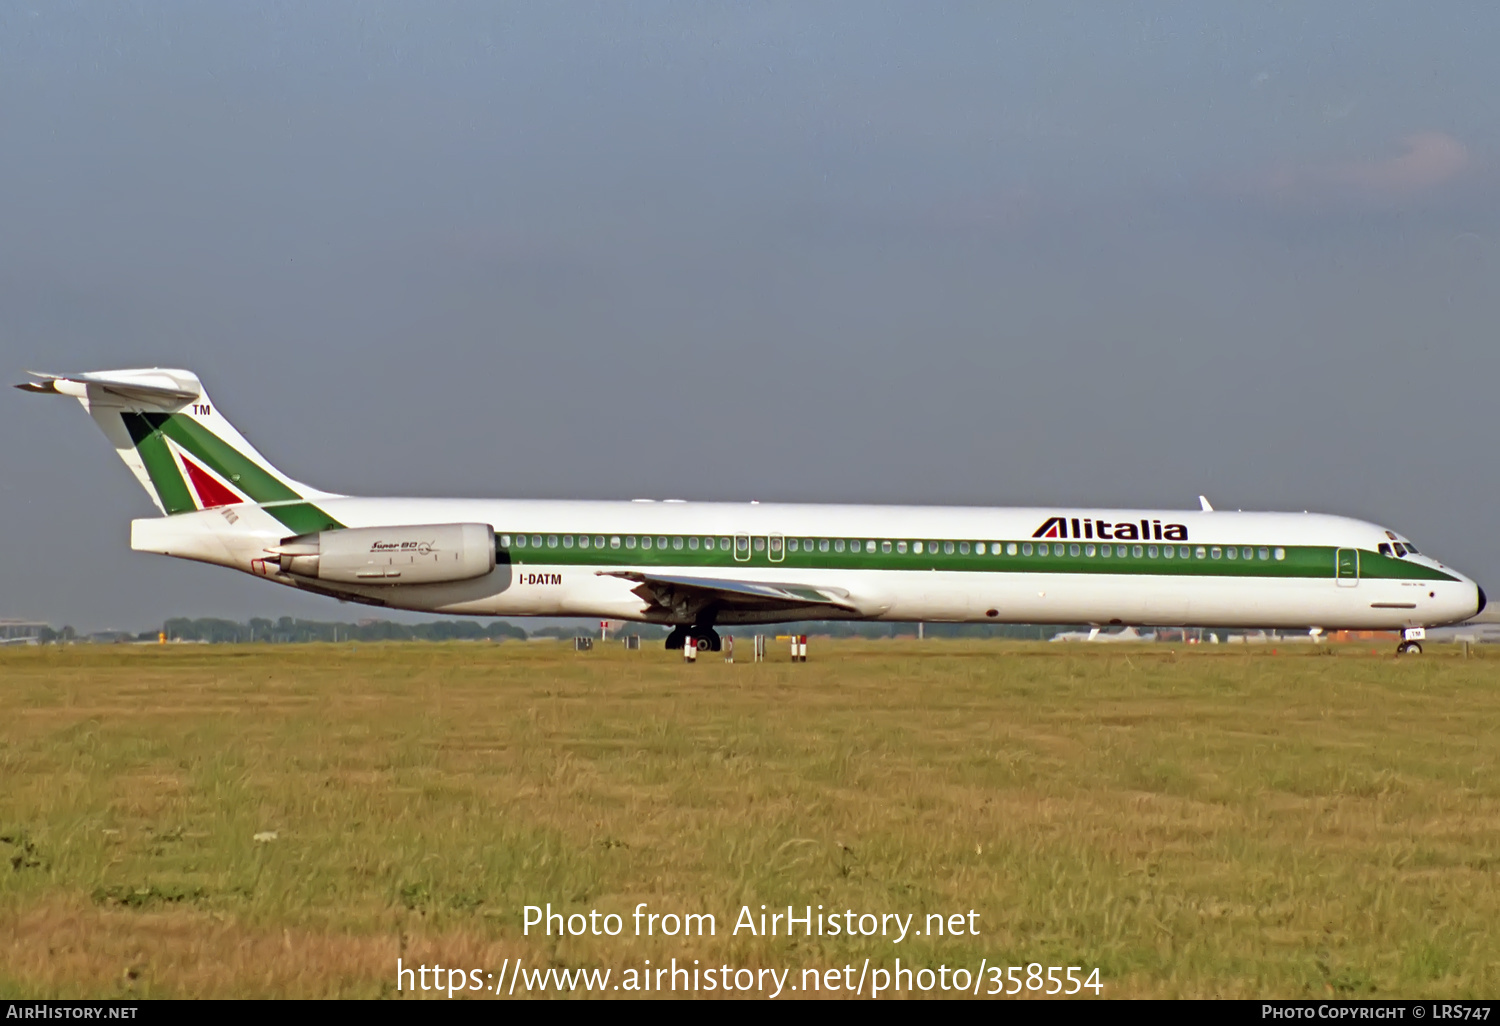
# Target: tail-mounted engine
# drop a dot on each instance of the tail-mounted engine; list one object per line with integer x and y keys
{"x": 419, "y": 554}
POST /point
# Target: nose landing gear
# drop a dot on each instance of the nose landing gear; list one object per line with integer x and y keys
{"x": 1409, "y": 648}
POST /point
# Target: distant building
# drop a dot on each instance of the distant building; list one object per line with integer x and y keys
{"x": 21, "y": 632}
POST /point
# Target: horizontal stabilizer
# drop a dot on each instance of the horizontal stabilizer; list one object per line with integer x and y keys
{"x": 153, "y": 387}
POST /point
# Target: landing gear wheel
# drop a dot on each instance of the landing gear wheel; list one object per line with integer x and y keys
{"x": 708, "y": 639}
{"x": 677, "y": 639}
{"x": 1409, "y": 648}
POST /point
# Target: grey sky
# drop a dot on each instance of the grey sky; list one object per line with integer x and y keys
{"x": 849, "y": 252}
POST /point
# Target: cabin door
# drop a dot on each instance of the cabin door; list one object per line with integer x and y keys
{"x": 1348, "y": 568}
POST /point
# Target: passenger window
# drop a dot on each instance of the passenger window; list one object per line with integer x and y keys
{"x": 645, "y": 543}
{"x": 775, "y": 544}
{"x": 676, "y": 543}
{"x": 916, "y": 547}
{"x": 536, "y": 541}
{"x": 1232, "y": 552}
{"x": 948, "y": 548}
{"x": 708, "y": 543}
{"x": 551, "y": 541}
{"x": 724, "y": 544}
{"x": 598, "y": 541}
{"x": 1185, "y": 552}
{"x": 1135, "y": 551}
{"x": 963, "y": 548}
{"x": 1106, "y": 551}
{"x": 1088, "y": 550}
{"x": 870, "y": 545}
{"x": 822, "y": 544}
{"x": 1264, "y": 553}
{"x": 567, "y": 541}
{"x": 661, "y": 543}
{"x": 1215, "y": 552}
{"x": 693, "y": 543}
{"x": 838, "y": 545}
{"x": 1168, "y": 551}
{"x": 742, "y": 543}
{"x": 1057, "y": 550}
{"x": 1280, "y": 553}
{"x": 520, "y": 541}
{"x": 901, "y": 546}
{"x": 807, "y": 544}
{"x": 1026, "y": 548}
{"x": 630, "y": 541}
{"x": 792, "y": 544}
{"x": 1073, "y": 550}
{"x": 885, "y": 546}
{"x": 614, "y": 541}
{"x": 1202, "y": 552}
{"x": 1010, "y": 550}
{"x": 1043, "y": 550}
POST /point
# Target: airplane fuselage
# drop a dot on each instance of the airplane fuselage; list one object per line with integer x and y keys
{"x": 894, "y": 563}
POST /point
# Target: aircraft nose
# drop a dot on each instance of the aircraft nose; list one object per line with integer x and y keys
{"x": 1483, "y": 601}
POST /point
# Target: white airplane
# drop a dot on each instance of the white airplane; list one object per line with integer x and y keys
{"x": 695, "y": 566}
{"x": 1098, "y": 634}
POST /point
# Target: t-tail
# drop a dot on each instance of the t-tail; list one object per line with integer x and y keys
{"x": 172, "y": 437}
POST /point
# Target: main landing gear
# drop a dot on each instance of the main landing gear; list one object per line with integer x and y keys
{"x": 705, "y": 638}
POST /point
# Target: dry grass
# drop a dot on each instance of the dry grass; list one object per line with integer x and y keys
{"x": 1207, "y": 822}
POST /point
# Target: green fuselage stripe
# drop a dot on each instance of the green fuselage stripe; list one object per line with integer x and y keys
{"x": 1300, "y": 561}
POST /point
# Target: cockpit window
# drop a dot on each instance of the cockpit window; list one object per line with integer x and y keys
{"x": 1400, "y": 550}
{"x": 1385, "y": 549}
{"x": 1412, "y": 549}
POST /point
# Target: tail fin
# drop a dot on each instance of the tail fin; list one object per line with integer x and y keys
{"x": 178, "y": 445}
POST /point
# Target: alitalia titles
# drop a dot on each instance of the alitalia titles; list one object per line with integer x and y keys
{"x": 1144, "y": 529}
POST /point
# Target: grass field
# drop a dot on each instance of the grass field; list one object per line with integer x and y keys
{"x": 1206, "y": 821}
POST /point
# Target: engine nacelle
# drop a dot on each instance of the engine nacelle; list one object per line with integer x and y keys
{"x": 408, "y": 554}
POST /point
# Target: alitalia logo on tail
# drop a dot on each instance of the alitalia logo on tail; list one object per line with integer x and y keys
{"x": 1145, "y": 529}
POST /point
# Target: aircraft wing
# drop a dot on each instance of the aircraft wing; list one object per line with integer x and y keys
{"x": 671, "y": 591}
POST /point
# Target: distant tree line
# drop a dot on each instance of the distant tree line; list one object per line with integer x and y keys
{"x": 289, "y": 630}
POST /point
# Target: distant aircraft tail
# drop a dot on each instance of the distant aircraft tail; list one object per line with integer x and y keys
{"x": 182, "y": 450}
